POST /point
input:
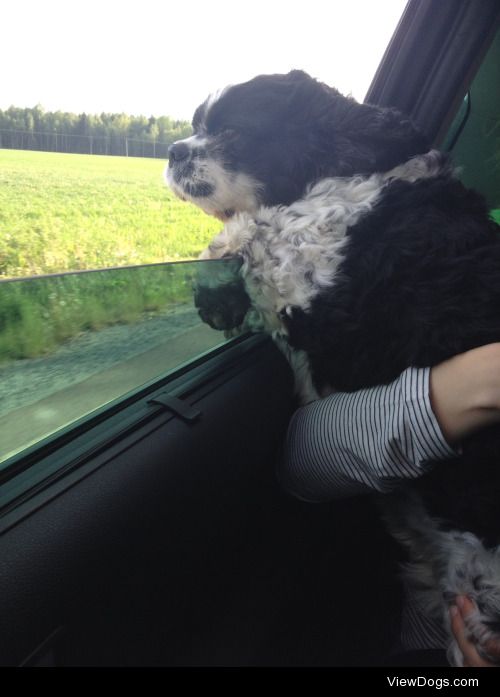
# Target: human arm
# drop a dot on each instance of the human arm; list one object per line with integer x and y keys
{"x": 350, "y": 443}
{"x": 465, "y": 392}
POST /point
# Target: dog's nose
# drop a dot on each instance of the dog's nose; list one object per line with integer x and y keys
{"x": 177, "y": 152}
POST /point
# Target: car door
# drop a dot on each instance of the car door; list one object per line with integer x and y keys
{"x": 148, "y": 527}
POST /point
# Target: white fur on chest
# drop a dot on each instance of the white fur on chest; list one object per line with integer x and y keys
{"x": 290, "y": 253}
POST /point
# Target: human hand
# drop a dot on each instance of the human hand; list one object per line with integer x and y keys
{"x": 472, "y": 657}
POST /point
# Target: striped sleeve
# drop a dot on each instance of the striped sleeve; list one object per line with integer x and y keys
{"x": 350, "y": 443}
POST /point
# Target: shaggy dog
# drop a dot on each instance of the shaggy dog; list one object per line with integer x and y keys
{"x": 362, "y": 253}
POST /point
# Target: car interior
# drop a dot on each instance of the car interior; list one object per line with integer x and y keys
{"x": 151, "y": 528}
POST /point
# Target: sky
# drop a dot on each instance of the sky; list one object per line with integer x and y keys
{"x": 158, "y": 57}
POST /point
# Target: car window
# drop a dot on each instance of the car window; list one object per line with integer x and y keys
{"x": 474, "y": 136}
{"x": 71, "y": 343}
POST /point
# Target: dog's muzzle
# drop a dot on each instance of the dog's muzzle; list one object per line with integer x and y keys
{"x": 183, "y": 173}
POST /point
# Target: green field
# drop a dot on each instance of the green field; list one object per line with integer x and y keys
{"x": 61, "y": 212}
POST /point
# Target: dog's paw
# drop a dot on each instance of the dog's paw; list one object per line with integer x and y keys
{"x": 220, "y": 295}
{"x": 222, "y": 307}
{"x": 233, "y": 333}
{"x": 287, "y": 312}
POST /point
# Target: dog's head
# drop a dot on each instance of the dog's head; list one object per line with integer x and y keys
{"x": 265, "y": 141}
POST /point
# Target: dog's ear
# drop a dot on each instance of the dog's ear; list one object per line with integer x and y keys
{"x": 298, "y": 75}
{"x": 348, "y": 138}
{"x": 393, "y": 136}
{"x": 369, "y": 138}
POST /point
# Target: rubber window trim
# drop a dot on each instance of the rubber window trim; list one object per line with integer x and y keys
{"x": 432, "y": 58}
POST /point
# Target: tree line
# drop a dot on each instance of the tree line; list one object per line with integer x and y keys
{"x": 98, "y": 134}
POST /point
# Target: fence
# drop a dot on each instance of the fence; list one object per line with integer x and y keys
{"x": 112, "y": 144}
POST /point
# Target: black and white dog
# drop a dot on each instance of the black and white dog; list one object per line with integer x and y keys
{"x": 359, "y": 248}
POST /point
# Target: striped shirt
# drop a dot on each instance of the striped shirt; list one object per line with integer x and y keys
{"x": 353, "y": 443}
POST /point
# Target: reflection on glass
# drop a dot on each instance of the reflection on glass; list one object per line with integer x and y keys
{"x": 71, "y": 343}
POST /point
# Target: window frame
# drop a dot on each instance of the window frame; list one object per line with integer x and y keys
{"x": 429, "y": 86}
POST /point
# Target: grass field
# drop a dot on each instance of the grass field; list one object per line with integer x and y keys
{"x": 61, "y": 212}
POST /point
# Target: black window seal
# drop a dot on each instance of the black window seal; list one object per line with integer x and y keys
{"x": 432, "y": 59}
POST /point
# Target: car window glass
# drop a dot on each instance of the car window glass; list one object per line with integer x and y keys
{"x": 72, "y": 343}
